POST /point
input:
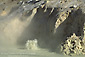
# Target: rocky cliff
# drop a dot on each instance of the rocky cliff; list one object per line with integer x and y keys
{"x": 48, "y": 21}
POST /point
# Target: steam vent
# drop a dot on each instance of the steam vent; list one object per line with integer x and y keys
{"x": 57, "y": 26}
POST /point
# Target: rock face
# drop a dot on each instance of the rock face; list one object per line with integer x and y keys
{"x": 74, "y": 45}
{"x": 48, "y": 21}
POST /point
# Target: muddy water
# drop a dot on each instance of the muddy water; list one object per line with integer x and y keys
{"x": 13, "y": 52}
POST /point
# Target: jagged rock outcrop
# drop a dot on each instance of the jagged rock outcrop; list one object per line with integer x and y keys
{"x": 74, "y": 45}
